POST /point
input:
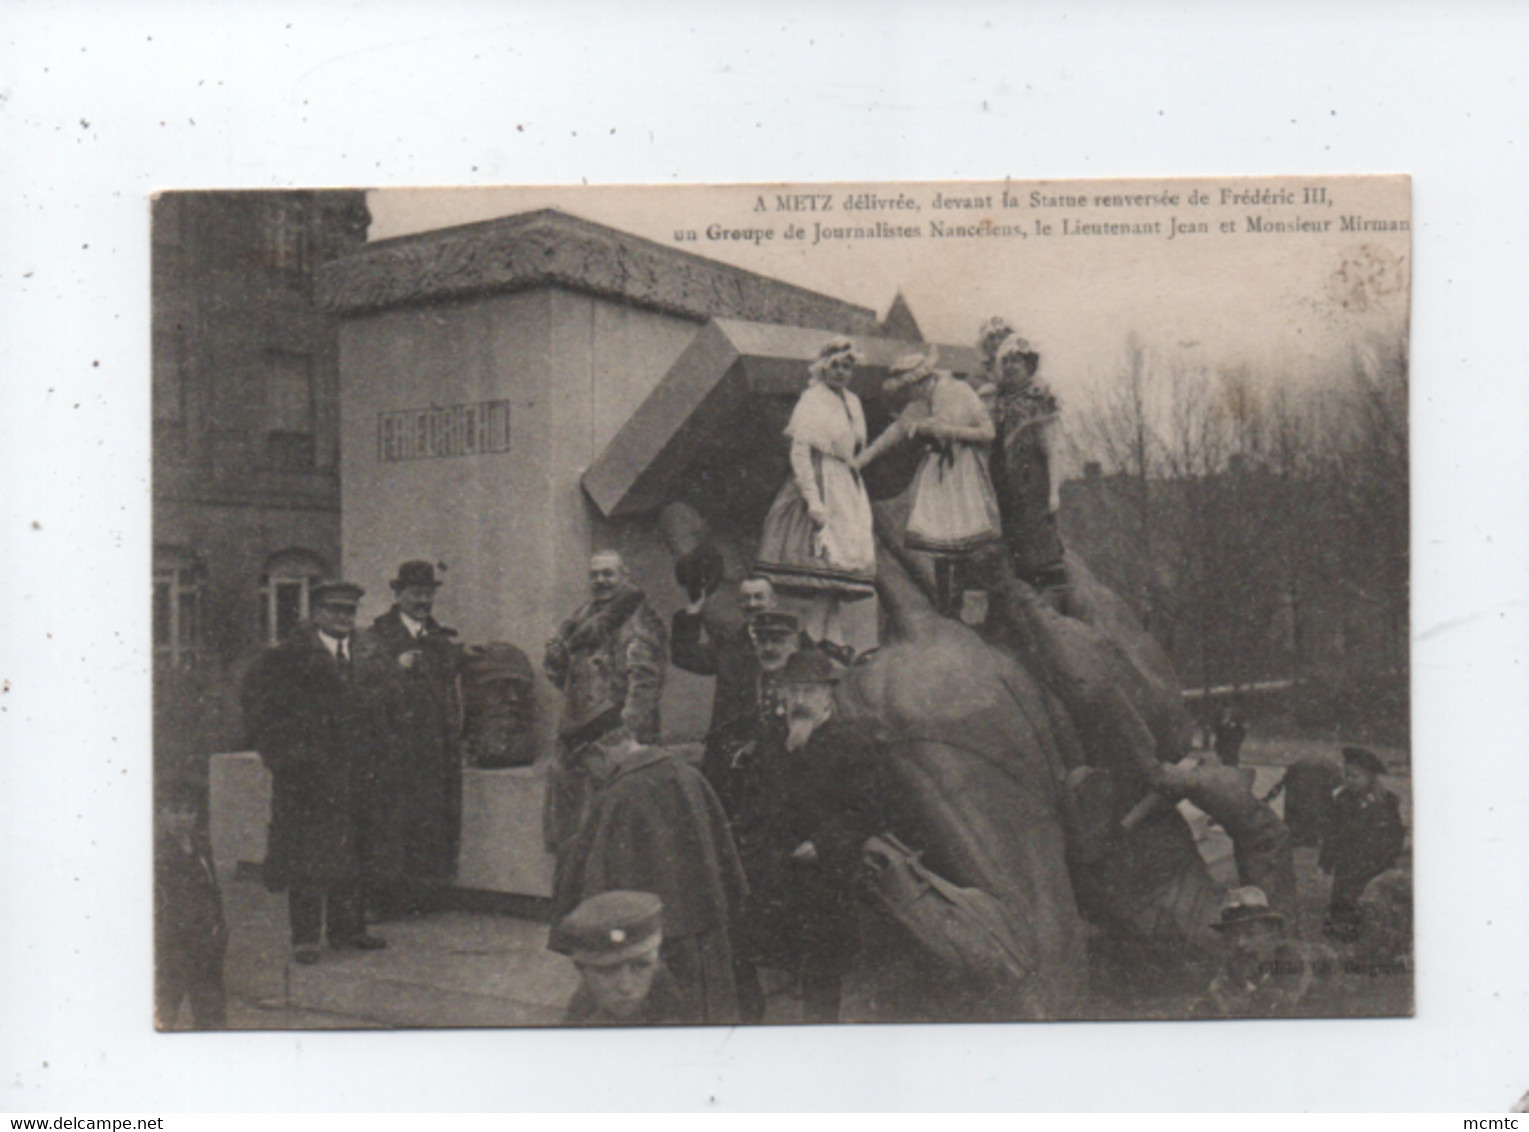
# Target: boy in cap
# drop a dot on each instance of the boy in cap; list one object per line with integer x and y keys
{"x": 654, "y": 825}
{"x": 613, "y": 939}
{"x": 1364, "y": 837}
{"x": 190, "y": 934}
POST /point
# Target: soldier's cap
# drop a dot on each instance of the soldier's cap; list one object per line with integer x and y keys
{"x": 774, "y": 623}
{"x": 336, "y": 592}
{"x": 611, "y": 928}
{"x": 416, "y": 573}
{"x": 1365, "y": 760}
{"x": 1246, "y": 905}
{"x": 808, "y": 666}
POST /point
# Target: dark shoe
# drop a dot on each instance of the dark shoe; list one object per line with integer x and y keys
{"x": 360, "y": 943}
{"x": 306, "y": 953}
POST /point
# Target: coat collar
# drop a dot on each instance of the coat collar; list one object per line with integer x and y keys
{"x": 641, "y": 759}
{"x": 393, "y": 620}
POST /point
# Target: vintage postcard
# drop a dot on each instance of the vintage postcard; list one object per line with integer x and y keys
{"x": 796, "y": 603}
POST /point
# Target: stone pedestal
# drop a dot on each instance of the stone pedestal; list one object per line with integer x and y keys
{"x": 501, "y": 824}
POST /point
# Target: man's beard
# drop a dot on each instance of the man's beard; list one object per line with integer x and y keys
{"x": 800, "y": 725}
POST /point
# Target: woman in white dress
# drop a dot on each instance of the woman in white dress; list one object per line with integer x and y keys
{"x": 955, "y": 512}
{"x": 817, "y": 539}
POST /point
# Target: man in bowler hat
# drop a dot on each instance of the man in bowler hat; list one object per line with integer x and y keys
{"x": 318, "y": 732}
{"x": 413, "y": 664}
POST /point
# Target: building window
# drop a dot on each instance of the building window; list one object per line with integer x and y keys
{"x": 283, "y": 237}
{"x": 289, "y": 410}
{"x": 169, "y": 369}
{"x": 179, "y": 582}
{"x": 170, "y": 365}
{"x": 284, "y": 588}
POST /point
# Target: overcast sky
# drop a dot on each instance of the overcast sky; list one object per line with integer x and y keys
{"x": 1272, "y": 300}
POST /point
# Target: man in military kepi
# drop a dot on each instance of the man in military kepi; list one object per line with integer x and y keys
{"x": 413, "y": 663}
{"x": 318, "y": 731}
{"x": 614, "y": 940}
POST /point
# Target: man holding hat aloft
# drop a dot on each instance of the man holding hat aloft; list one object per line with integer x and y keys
{"x": 318, "y": 730}
{"x": 614, "y": 940}
{"x": 808, "y": 800}
{"x": 413, "y": 662}
{"x": 1365, "y": 836}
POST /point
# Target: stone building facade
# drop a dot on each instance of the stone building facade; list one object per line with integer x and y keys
{"x": 246, "y": 440}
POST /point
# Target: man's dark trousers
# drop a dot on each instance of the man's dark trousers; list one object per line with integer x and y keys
{"x": 306, "y": 908}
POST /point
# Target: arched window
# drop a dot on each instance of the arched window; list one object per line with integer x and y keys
{"x": 179, "y": 581}
{"x": 284, "y": 589}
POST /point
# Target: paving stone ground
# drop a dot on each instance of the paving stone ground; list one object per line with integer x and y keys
{"x": 465, "y": 969}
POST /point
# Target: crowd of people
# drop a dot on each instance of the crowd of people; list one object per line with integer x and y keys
{"x": 681, "y": 892}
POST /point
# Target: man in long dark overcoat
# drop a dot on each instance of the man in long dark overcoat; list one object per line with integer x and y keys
{"x": 810, "y": 795}
{"x": 413, "y": 663}
{"x": 317, "y": 730}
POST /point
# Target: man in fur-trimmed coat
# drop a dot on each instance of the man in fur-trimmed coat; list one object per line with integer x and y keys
{"x": 608, "y": 660}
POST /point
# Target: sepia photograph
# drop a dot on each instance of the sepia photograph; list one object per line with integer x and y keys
{"x": 789, "y": 603}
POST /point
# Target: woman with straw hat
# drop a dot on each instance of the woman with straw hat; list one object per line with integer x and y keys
{"x": 955, "y": 512}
